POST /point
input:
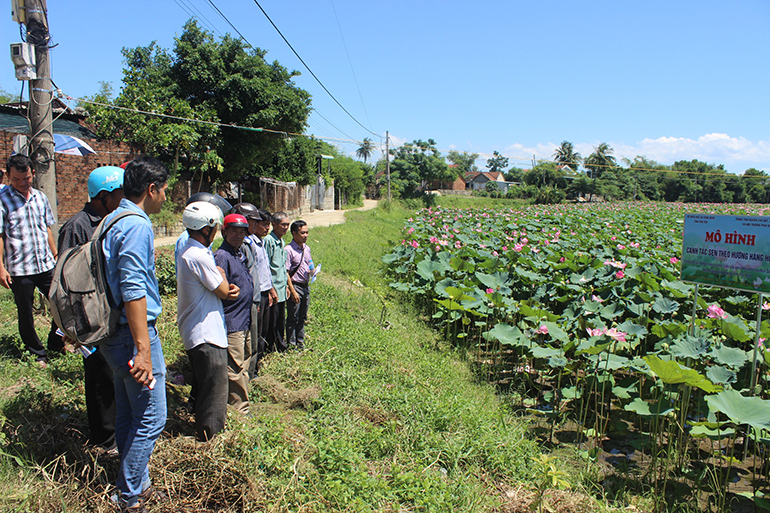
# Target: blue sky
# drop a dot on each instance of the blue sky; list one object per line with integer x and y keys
{"x": 666, "y": 80}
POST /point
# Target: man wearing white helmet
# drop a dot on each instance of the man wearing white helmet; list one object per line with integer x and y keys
{"x": 201, "y": 287}
{"x": 105, "y": 190}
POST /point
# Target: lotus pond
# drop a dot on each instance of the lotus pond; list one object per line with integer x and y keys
{"x": 579, "y": 315}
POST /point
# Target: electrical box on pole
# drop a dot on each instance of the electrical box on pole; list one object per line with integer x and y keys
{"x": 18, "y": 11}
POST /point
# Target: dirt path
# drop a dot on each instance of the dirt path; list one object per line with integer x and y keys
{"x": 314, "y": 219}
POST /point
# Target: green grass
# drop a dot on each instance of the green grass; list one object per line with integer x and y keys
{"x": 378, "y": 414}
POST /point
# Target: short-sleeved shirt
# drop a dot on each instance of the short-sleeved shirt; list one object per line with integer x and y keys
{"x": 79, "y": 228}
{"x": 129, "y": 250}
{"x": 263, "y": 265}
{"x": 238, "y": 311}
{"x": 249, "y": 250}
{"x": 276, "y": 255}
{"x": 298, "y": 262}
{"x": 200, "y": 316}
{"x": 24, "y": 223}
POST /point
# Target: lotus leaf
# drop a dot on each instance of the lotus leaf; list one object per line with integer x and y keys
{"x": 555, "y": 332}
{"x": 672, "y": 373}
{"x": 741, "y": 410}
{"x": 557, "y": 361}
{"x": 507, "y": 335}
{"x": 461, "y": 264}
{"x": 721, "y": 375}
{"x": 687, "y": 346}
{"x": 730, "y": 356}
{"x": 714, "y": 434}
{"x": 736, "y": 329}
{"x": 665, "y": 306}
{"x": 646, "y": 409}
{"x": 427, "y": 268}
{"x": 544, "y": 352}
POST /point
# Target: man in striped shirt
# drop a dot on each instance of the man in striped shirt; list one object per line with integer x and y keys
{"x": 28, "y": 249}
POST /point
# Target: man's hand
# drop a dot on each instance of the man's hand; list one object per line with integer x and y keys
{"x": 273, "y": 297}
{"x": 294, "y": 297}
{"x": 233, "y": 292}
{"x": 5, "y": 278}
{"x": 141, "y": 370}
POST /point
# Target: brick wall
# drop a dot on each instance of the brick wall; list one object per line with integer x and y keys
{"x": 72, "y": 171}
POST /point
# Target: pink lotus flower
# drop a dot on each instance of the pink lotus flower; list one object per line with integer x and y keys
{"x": 410, "y": 231}
{"x": 674, "y": 260}
{"x": 596, "y": 298}
{"x": 415, "y": 244}
{"x": 543, "y": 329}
{"x": 595, "y": 332}
{"x": 620, "y": 275}
{"x": 766, "y": 306}
{"x": 621, "y": 246}
{"x": 489, "y": 291}
{"x": 561, "y": 260}
{"x": 614, "y": 334}
{"x": 505, "y": 248}
{"x": 458, "y": 244}
{"x": 433, "y": 240}
{"x": 494, "y": 253}
{"x": 716, "y": 313}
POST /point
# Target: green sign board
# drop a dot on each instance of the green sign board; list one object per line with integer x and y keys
{"x": 727, "y": 251}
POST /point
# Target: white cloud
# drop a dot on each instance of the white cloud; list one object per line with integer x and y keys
{"x": 736, "y": 153}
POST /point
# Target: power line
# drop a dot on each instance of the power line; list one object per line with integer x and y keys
{"x": 310, "y": 70}
{"x": 352, "y": 71}
{"x": 230, "y": 23}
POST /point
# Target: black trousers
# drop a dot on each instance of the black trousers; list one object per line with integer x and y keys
{"x": 100, "y": 399}
{"x": 209, "y": 388}
{"x": 275, "y": 332}
{"x": 296, "y": 315}
{"x": 23, "y": 288}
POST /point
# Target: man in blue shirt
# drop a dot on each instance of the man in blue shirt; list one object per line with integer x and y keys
{"x": 231, "y": 258}
{"x": 134, "y": 351}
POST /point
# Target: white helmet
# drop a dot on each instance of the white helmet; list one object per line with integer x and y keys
{"x": 200, "y": 214}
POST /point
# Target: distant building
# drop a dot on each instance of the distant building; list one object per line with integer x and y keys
{"x": 477, "y": 180}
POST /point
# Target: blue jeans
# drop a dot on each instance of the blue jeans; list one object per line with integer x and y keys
{"x": 141, "y": 412}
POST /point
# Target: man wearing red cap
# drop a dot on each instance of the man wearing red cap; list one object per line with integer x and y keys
{"x": 232, "y": 260}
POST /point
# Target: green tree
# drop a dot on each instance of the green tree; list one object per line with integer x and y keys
{"x": 598, "y": 162}
{"x": 6, "y": 97}
{"x": 757, "y": 185}
{"x": 366, "y": 149}
{"x": 205, "y": 79}
{"x": 465, "y": 162}
{"x": 417, "y": 164}
{"x": 566, "y": 155}
{"x": 497, "y": 163}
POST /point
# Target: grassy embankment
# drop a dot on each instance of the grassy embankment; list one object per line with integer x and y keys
{"x": 377, "y": 416}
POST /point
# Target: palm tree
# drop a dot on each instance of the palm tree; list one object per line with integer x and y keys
{"x": 366, "y": 149}
{"x": 566, "y": 154}
{"x": 600, "y": 160}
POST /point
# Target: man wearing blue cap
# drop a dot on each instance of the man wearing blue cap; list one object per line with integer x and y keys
{"x": 105, "y": 190}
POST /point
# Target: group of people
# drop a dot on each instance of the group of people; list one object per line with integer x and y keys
{"x": 248, "y": 298}
{"x": 231, "y": 303}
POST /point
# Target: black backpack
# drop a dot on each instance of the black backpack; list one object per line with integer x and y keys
{"x": 79, "y": 294}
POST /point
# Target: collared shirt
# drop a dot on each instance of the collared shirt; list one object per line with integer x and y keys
{"x": 298, "y": 262}
{"x": 129, "y": 249}
{"x": 265, "y": 278}
{"x": 200, "y": 316}
{"x": 24, "y": 226}
{"x": 249, "y": 249}
{"x": 79, "y": 229}
{"x": 237, "y": 312}
{"x": 276, "y": 254}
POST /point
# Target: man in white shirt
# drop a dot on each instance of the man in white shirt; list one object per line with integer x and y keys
{"x": 201, "y": 286}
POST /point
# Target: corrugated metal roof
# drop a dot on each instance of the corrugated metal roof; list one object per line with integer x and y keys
{"x": 14, "y": 120}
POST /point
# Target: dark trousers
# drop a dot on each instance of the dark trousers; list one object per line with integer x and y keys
{"x": 100, "y": 399}
{"x": 264, "y": 324}
{"x": 296, "y": 315}
{"x": 23, "y": 288}
{"x": 255, "y": 339}
{"x": 275, "y": 332}
{"x": 209, "y": 388}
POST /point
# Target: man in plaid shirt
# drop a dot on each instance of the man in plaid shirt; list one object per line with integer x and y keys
{"x": 27, "y": 247}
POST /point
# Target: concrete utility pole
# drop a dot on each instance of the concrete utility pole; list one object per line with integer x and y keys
{"x": 40, "y": 107}
{"x": 387, "y": 161}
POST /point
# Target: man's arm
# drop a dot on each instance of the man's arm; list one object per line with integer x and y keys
{"x": 292, "y": 293}
{"x": 226, "y": 290}
{"x": 52, "y": 244}
{"x": 136, "y": 314}
{"x": 5, "y": 276}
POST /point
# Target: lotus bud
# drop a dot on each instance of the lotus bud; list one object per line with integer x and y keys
{"x": 664, "y": 346}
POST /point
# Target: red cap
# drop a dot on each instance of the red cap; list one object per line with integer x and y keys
{"x": 236, "y": 221}
{"x": 124, "y": 165}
